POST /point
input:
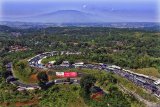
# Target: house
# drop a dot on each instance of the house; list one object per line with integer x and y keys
{"x": 65, "y": 64}
{"x": 95, "y": 89}
{"x": 96, "y": 93}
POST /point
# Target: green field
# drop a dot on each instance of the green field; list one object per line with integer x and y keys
{"x": 46, "y": 60}
{"x": 148, "y": 71}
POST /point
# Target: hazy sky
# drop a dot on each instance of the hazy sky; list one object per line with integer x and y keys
{"x": 138, "y": 10}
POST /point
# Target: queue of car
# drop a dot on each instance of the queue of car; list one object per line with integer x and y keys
{"x": 139, "y": 79}
{"x": 147, "y": 82}
{"x": 144, "y": 81}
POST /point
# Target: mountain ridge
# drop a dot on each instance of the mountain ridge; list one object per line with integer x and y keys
{"x": 62, "y": 16}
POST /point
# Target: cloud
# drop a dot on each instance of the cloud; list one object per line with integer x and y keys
{"x": 84, "y": 6}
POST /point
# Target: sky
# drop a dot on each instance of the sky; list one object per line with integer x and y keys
{"x": 105, "y": 10}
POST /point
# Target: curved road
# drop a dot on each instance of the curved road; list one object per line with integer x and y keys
{"x": 144, "y": 81}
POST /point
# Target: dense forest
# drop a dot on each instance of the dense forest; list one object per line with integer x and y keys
{"x": 124, "y": 47}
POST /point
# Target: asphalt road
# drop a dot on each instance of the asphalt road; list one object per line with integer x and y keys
{"x": 144, "y": 81}
{"x": 139, "y": 79}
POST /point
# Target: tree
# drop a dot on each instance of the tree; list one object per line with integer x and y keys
{"x": 111, "y": 78}
{"x": 43, "y": 79}
{"x": 116, "y": 98}
{"x": 86, "y": 83}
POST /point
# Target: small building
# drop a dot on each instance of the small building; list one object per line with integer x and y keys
{"x": 95, "y": 89}
{"x": 51, "y": 62}
{"x": 96, "y": 93}
{"x": 65, "y": 64}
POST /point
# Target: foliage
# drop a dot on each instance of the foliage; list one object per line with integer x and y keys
{"x": 87, "y": 82}
{"x": 114, "y": 98}
{"x": 129, "y": 48}
{"x": 60, "y": 96}
{"x": 43, "y": 79}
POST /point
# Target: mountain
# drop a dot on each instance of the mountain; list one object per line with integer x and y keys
{"x": 75, "y": 16}
{"x": 68, "y": 16}
{"x": 61, "y": 16}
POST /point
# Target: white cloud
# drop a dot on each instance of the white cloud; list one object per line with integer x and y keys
{"x": 84, "y": 6}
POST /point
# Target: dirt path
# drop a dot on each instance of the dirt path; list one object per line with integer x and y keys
{"x": 21, "y": 104}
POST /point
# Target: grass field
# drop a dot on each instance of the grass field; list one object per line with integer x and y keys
{"x": 148, "y": 71}
{"x": 46, "y": 60}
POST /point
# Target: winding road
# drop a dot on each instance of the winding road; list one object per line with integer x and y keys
{"x": 144, "y": 81}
